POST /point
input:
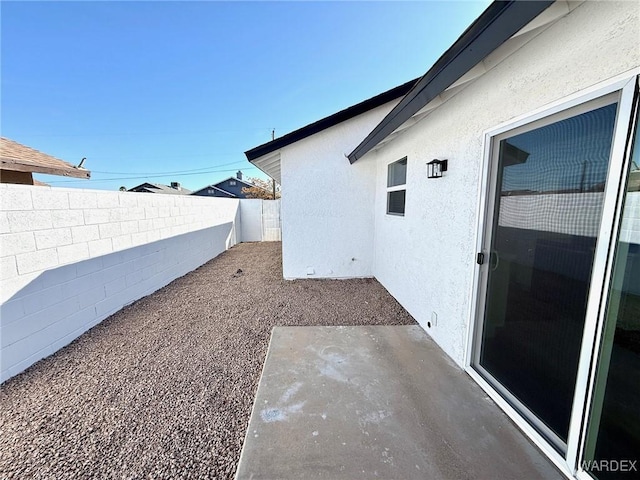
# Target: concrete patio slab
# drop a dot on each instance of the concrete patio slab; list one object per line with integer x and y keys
{"x": 377, "y": 402}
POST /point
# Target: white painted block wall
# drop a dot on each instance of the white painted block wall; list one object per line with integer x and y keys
{"x": 630, "y": 228}
{"x": 426, "y": 259}
{"x": 70, "y": 258}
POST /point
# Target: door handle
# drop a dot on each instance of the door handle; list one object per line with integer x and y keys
{"x": 494, "y": 260}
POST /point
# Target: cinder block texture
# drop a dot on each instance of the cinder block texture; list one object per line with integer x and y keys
{"x": 70, "y": 258}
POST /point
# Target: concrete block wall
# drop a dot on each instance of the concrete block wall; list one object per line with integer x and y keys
{"x": 630, "y": 234}
{"x": 630, "y": 228}
{"x": 70, "y": 258}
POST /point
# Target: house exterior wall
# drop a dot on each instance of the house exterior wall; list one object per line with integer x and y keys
{"x": 70, "y": 258}
{"x": 426, "y": 259}
{"x": 327, "y": 215}
{"x": 13, "y": 176}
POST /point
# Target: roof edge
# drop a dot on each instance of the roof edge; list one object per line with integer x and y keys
{"x": 232, "y": 195}
{"x": 330, "y": 121}
{"x": 236, "y": 179}
{"x": 499, "y": 22}
{"x": 7, "y": 163}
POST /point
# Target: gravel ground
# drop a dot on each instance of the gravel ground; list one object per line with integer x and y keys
{"x": 164, "y": 388}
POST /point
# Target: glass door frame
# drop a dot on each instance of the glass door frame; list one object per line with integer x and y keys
{"x": 591, "y": 370}
{"x": 624, "y": 86}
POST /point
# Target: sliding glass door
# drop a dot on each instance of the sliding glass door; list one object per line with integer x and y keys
{"x": 613, "y": 441}
{"x": 556, "y": 338}
{"x": 548, "y": 193}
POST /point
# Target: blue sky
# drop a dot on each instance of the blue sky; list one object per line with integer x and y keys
{"x": 146, "y": 88}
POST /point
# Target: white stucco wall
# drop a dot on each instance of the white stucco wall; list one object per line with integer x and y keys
{"x": 426, "y": 259}
{"x": 327, "y": 214}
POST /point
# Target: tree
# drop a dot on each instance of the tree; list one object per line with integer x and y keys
{"x": 262, "y": 189}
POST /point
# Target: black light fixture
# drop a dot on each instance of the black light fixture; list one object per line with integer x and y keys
{"x": 435, "y": 168}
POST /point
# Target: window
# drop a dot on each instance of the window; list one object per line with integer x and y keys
{"x": 232, "y": 183}
{"x": 396, "y": 187}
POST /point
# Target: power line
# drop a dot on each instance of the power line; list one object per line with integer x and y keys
{"x": 146, "y": 176}
{"x": 168, "y": 173}
{"x": 158, "y": 157}
{"x": 172, "y": 132}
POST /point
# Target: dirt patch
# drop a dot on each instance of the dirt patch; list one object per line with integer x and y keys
{"x": 164, "y": 387}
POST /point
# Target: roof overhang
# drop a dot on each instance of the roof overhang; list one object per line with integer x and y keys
{"x": 267, "y": 156}
{"x": 501, "y": 30}
{"x": 18, "y": 165}
{"x": 270, "y": 164}
{"x": 19, "y": 158}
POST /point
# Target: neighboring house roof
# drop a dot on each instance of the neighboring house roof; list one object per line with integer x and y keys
{"x": 218, "y": 187}
{"x": 159, "y": 188}
{"x": 497, "y": 24}
{"x": 327, "y": 122}
{"x": 17, "y": 157}
{"x": 229, "y": 194}
{"x": 248, "y": 184}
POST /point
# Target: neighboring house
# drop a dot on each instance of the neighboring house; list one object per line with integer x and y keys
{"x": 19, "y": 163}
{"x": 213, "y": 191}
{"x": 228, "y": 188}
{"x": 521, "y": 259}
{"x": 174, "y": 189}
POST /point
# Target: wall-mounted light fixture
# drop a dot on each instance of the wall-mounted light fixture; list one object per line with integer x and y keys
{"x": 435, "y": 168}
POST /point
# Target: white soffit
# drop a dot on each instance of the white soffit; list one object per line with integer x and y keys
{"x": 551, "y": 15}
{"x": 270, "y": 164}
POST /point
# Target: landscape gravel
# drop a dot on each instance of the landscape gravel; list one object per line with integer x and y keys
{"x": 164, "y": 387}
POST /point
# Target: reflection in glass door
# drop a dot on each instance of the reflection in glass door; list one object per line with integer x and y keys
{"x": 613, "y": 441}
{"x": 547, "y": 197}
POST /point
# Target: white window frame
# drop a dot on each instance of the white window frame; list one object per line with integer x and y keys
{"x": 625, "y": 83}
{"x": 397, "y": 188}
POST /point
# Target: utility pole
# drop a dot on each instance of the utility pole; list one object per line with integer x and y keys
{"x": 273, "y": 181}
